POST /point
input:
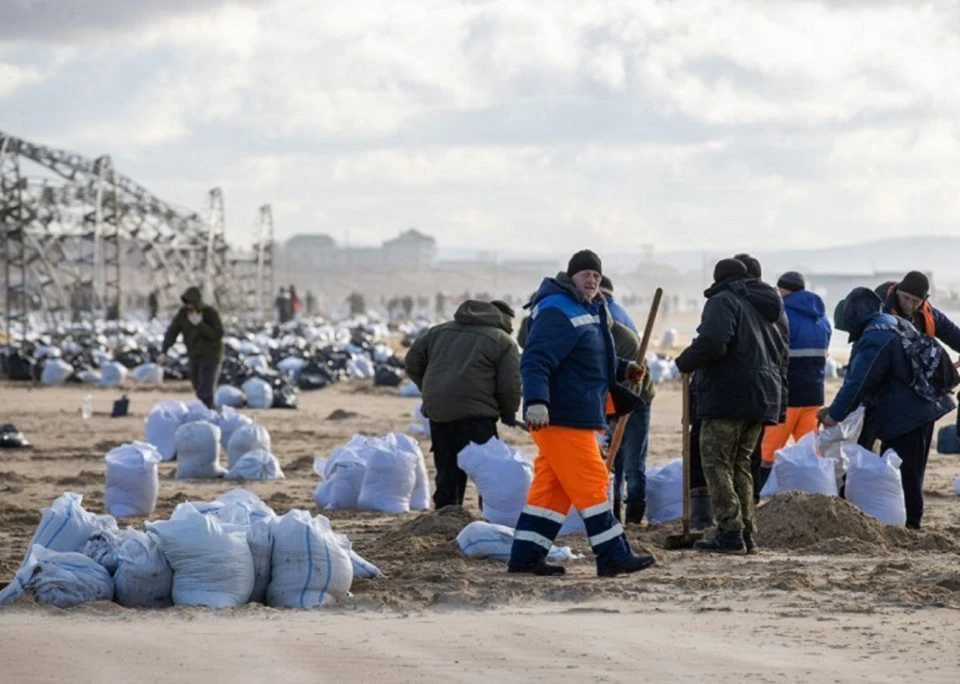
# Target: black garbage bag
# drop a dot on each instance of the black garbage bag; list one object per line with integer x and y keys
{"x": 18, "y": 366}
{"x": 285, "y": 393}
{"x": 11, "y": 437}
{"x": 132, "y": 358}
{"x": 387, "y": 376}
{"x": 315, "y": 375}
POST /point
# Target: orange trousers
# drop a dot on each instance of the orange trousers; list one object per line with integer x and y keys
{"x": 568, "y": 469}
{"x": 800, "y": 421}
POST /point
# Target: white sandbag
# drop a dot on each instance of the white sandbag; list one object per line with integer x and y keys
{"x": 259, "y": 393}
{"x": 112, "y": 374}
{"x": 360, "y": 367}
{"x": 830, "y": 440}
{"x": 171, "y": 406}
{"x": 343, "y": 476}
{"x": 874, "y": 485}
{"x": 665, "y": 492}
{"x": 245, "y": 439}
{"x": 408, "y": 389}
{"x": 502, "y": 476}
{"x": 486, "y": 540}
{"x": 228, "y": 395}
{"x": 422, "y": 424}
{"x": 64, "y": 578}
{"x": 389, "y": 480}
{"x": 143, "y": 578}
{"x": 55, "y": 372}
{"x": 799, "y": 469}
{"x": 311, "y": 564}
{"x": 212, "y": 564}
{"x": 249, "y": 502}
{"x": 420, "y": 498}
{"x": 230, "y": 422}
{"x": 197, "y": 411}
{"x": 104, "y": 545}
{"x": 161, "y": 430}
{"x": 573, "y": 523}
{"x": 362, "y": 568}
{"x": 66, "y": 526}
{"x": 198, "y": 451}
{"x": 257, "y": 362}
{"x": 132, "y": 481}
{"x": 291, "y": 365}
{"x": 147, "y": 374}
{"x": 258, "y": 464}
{"x": 89, "y": 377}
{"x": 669, "y": 339}
{"x": 770, "y": 486}
{"x": 260, "y": 541}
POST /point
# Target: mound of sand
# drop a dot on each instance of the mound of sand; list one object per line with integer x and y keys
{"x": 435, "y": 531}
{"x": 797, "y": 520}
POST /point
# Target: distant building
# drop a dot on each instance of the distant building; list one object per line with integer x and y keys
{"x": 411, "y": 248}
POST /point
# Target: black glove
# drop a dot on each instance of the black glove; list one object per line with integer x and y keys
{"x": 508, "y": 420}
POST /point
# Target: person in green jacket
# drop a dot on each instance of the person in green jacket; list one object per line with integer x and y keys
{"x": 202, "y": 332}
{"x": 468, "y": 370}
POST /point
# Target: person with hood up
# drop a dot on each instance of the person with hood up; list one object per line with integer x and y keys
{"x": 881, "y": 378}
{"x": 571, "y": 377}
{"x": 738, "y": 357}
{"x": 202, "y": 332}
{"x": 810, "y": 333}
{"x": 468, "y": 371}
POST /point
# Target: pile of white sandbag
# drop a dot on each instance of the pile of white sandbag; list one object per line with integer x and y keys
{"x": 387, "y": 474}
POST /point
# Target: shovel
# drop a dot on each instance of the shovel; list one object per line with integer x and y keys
{"x": 686, "y": 538}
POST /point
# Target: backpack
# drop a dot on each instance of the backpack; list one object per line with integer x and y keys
{"x": 932, "y": 372}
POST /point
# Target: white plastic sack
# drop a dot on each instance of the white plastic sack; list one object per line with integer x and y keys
{"x": 212, "y": 564}
{"x": 343, "y": 476}
{"x": 770, "y": 487}
{"x": 112, "y": 374}
{"x": 245, "y": 439}
{"x": 197, "y": 411}
{"x": 420, "y": 498}
{"x": 259, "y": 393}
{"x": 502, "y": 476}
{"x": 874, "y": 485}
{"x": 161, "y": 429}
{"x": 363, "y": 568}
{"x": 230, "y": 422}
{"x": 198, "y": 451}
{"x": 408, "y": 389}
{"x": 173, "y": 407}
{"x": 389, "y": 480}
{"x": 260, "y": 541}
{"x": 360, "y": 367}
{"x": 799, "y": 469}
{"x": 292, "y": 365}
{"x": 89, "y": 377}
{"x": 143, "y": 578}
{"x": 669, "y": 339}
{"x": 665, "y": 492}
{"x": 55, "y": 372}
{"x": 422, "y": 424}
{"x": 249, "y": 502}
{"x": 258, "y": 464}
{"x": 830, "y": 440}
{"x": 66, "y": 526}
{"x": 103, "y": 546}
{"x": 486, "y": 540}
{"x": 311, "y": 564}
{"x": 132, "y": 480}
{"x": 147, "y": 374}
{"x": 227, "y": 395}
{"x": 63, "y": 578}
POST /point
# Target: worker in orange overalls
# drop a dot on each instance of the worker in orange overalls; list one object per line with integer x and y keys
{"x": 571, "y": 378}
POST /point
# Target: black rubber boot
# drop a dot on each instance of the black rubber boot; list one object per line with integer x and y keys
{"x": 723, "y": 542}
{"x": 635, "y": 512}
{"x": 542, "y": 569}
{"x": 635, "y": 563}
{"x": 749, "y": 542}
{"x": 701, "y": 512}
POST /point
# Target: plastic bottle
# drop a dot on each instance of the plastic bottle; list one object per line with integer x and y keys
{"x": 86, "y": 410}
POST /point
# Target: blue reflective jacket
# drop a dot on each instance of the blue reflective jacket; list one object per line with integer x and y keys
{"x": 810, "y": 333}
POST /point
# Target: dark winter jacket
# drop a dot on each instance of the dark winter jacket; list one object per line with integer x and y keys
{"x": 468, "y": 367}
{"x": 810, "y": 333}
{"x": 204, "y": 341}
{"x": 739, "y": 353}
{"x": 569, "y": 362}
{"x": 879, "y": 374}
{"x": 944, "y": 329}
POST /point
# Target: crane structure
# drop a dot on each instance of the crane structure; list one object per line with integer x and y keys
{"x": 77, "y": 238}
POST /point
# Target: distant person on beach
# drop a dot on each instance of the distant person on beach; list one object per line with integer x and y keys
{"x": 202, "y": 332}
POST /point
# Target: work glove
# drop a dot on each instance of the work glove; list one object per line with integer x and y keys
{"x": 537, "y": 416}
{"x": 824, "y": 419}
{"x": 635, "y": 372}
{"x": 195, "y": 318}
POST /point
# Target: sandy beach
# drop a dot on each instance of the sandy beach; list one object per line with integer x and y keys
{"x": 832, "y": 597}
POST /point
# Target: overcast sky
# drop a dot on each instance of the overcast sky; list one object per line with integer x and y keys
{"x": 515, "y": 125}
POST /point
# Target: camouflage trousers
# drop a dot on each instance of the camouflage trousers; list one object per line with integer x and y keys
{"x": 725, "y": 448}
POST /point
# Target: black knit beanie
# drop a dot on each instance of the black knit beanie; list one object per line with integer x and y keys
{"x": 584, "y": 260}
{"x": 729, "y": 268}
{"x": 752, "y": 263}
{"x": 915, "y": 283}
{"x": 792, "y": 282}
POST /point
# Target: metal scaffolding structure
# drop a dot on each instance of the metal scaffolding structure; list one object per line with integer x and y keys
{"x": 79, "y": 238}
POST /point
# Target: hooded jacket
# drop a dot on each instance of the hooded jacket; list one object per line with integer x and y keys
{"x": 204, "y": 341}
{"x": 570, "y": 362}
{"x": 879, "y": 374}
{"x": 944, "y": 329}
{"x": 739, "y": 353}
{"x": 468, "y": 367}
{"x": 810, "y": 333}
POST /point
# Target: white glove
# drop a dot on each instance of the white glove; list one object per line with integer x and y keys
{"x": 537, "y": 416}
{"x": 195, "y": 318}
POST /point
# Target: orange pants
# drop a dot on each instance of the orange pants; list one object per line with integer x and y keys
{"x": 568, "y": 469}
{"x": 800, "y": 421}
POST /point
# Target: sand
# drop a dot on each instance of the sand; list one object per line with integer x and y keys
{"x": 833, "y": 596}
